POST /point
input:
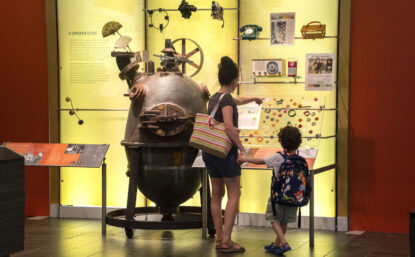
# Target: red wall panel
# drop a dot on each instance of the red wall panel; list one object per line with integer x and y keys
{"x": 382, "y": 98}
{"x": 24, "y": 89}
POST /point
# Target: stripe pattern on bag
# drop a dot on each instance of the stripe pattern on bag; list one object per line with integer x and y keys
{"x": 210, "y": 137}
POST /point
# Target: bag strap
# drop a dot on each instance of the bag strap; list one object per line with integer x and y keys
{"x": 212, "y": 114}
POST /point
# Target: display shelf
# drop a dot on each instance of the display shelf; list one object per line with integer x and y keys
{"x": 95, "y": 110}
{"x": 272, "y": 82}
{"x": 177, "y": 10}
{"x": 267, "y": 38}
{"x": 317, "y": 136}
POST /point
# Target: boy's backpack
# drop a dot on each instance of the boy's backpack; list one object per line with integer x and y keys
{"x": 291, "y": 186}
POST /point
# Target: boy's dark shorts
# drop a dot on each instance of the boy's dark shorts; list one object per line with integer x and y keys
{"x": 218, "y": 167}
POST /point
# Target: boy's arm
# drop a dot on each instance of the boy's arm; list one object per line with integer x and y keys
{"x": 255, "y": 160}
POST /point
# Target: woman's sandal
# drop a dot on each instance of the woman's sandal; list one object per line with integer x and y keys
{"x": 232, "y": 248}
{"x": 218, "y": 244}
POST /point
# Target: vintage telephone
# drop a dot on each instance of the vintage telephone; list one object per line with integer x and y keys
{"x": 250, "y": 31}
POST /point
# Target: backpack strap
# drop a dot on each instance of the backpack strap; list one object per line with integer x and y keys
{"x": 274, "y": 212}
{"x": 284, "y": 155}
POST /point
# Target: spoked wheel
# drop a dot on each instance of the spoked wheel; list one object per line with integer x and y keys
{"x": 185, "y": 57}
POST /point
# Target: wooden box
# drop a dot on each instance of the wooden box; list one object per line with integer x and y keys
{"x": 12, "y": 202}
{"x": 313, "y": 30}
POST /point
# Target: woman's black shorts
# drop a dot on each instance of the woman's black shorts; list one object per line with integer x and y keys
{"x": 218, "y": 167}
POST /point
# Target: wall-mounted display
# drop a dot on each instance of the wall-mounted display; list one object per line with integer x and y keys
{"x": 313, "y": 30}
{"x": 320, "y": 71}
{"x": 186, "y": 9}
{"x": 250, "y": 31}
{"x": 282, "y": 28}
{"x": 161, "y": 26}
{"x": 89, "y": 76}
{"x": 267, "y": 67}
{"x": 292, "y": 67}
{"x": 277, "y": 112}
{"x": 217, "y": 12}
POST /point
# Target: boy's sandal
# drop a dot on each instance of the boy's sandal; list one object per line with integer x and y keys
{"x": 232, "y": 248}
{"x": 270, "y": 247}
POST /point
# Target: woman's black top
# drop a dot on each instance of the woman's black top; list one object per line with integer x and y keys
{"x": 226, "y": 100}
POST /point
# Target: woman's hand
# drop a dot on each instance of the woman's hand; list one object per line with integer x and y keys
{"x": 258, "y": 100}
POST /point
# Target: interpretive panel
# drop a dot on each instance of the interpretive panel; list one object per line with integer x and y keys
{"x": 62, "y": 155}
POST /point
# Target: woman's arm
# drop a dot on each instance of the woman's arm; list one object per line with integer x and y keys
{"x": 233, "y": 133}
{"x": 255, "y": 160}
{"x": 244, "y": 100}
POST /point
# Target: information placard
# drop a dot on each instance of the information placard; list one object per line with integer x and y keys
{"x": 62, "y": 155}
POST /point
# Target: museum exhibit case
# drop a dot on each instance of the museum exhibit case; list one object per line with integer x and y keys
{"x": 287, "y": 53}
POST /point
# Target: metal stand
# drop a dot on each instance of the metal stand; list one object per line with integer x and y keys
{"x": 312, "y": 173}
{"x": 104, "y": 197}
{"x": 204, "y": 204}
{"x": 311, "y": 217}
{"x": 189, "y": 217}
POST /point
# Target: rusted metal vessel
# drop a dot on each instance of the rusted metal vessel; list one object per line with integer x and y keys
{"x": 159, "y": 126}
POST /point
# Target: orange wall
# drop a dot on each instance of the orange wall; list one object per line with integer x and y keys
{"x": 24, "y": 89}
{"x": 382, "y": 98}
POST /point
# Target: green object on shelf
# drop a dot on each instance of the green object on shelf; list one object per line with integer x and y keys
{"x": 250, "y": 31}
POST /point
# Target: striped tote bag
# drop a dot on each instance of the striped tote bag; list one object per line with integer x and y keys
{"x": 209, "y": 135}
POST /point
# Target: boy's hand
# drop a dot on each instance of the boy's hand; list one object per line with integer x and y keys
{"x": 241, "y": 158}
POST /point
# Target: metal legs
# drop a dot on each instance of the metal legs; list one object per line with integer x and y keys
{"x": 104, "y": 197}
{"x": 205, "y": 206}
{"x": 312, "y": 209}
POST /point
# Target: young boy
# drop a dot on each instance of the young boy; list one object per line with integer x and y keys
{"x": 290, "y": 139}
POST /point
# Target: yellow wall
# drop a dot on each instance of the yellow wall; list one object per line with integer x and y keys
{"x": 255, "y": 184}
{"x": 82, "y": 186}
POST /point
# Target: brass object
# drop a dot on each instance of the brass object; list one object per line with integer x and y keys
{"x": 110, "y": 28}
{"x": 137, "y": 91}
{"x": 313, "y": 30}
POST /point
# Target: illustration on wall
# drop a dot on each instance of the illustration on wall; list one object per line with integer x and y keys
{"x": 282, "y": 28}
{"x": 320, "y": 71}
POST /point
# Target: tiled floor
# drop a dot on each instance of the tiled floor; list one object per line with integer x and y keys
{"x": 79, "y": 237}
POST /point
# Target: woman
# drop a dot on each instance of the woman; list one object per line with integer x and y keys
{"x": 226, "y": 172}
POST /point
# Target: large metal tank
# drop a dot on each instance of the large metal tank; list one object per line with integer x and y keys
{"x": 159, "y": 126}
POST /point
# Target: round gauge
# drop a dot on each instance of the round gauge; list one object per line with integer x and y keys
{"x": 272, "y": 67}
{"x": 249, "y": 31}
